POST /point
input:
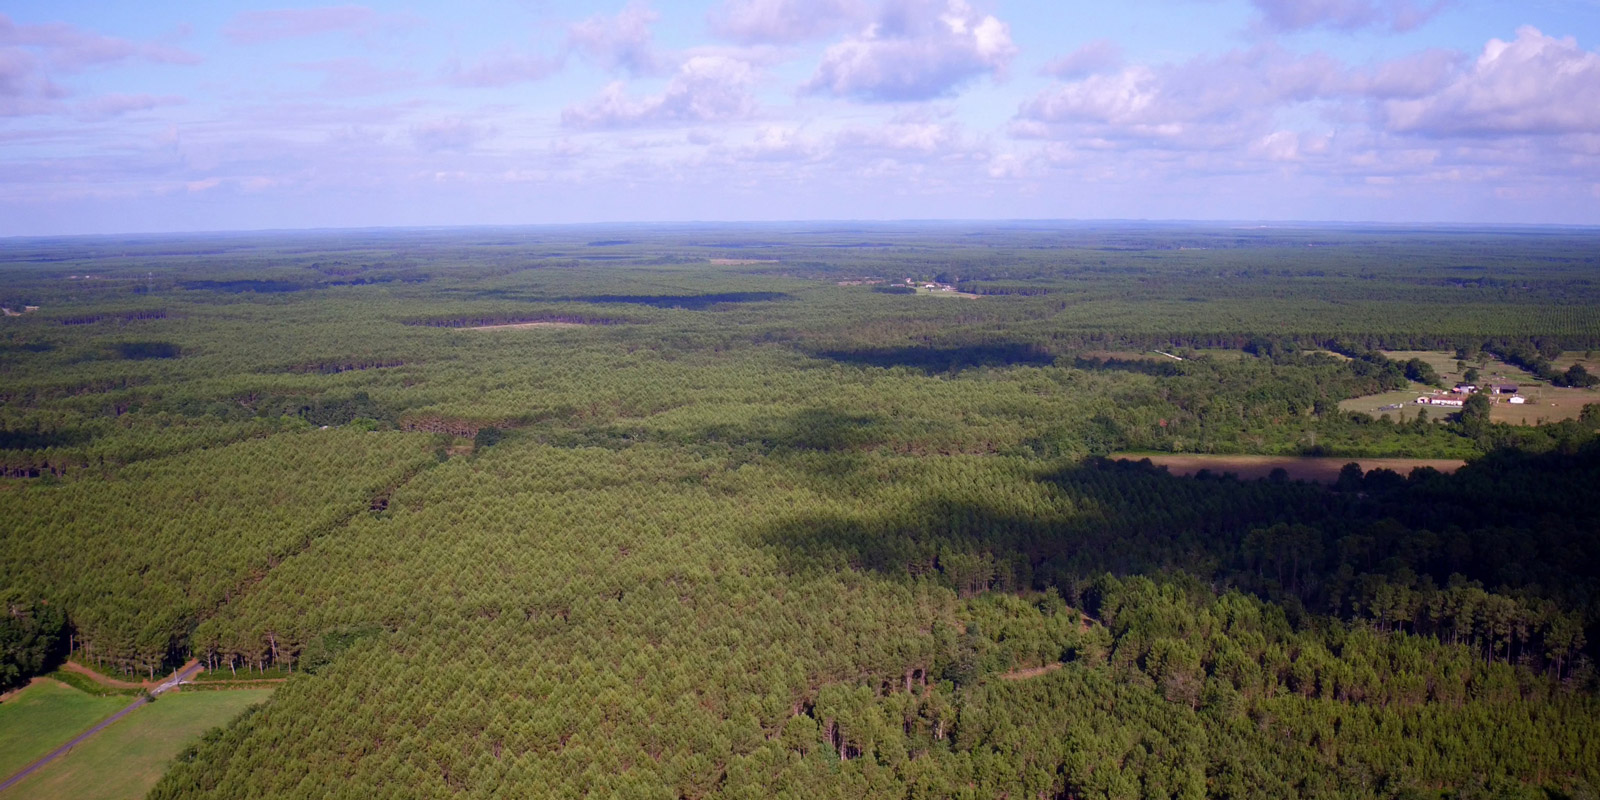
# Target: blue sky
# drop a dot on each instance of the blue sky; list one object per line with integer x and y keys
{"x": 118, "y": 117}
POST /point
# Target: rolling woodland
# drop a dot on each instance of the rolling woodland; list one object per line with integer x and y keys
{"x": 735, "y": 511}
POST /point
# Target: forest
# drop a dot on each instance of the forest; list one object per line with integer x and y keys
{"x": 697, "y": 511}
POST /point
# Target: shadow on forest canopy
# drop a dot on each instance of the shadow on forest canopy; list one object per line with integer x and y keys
{"x": 1298, "y": 544}
{"x": 935, "y": 360}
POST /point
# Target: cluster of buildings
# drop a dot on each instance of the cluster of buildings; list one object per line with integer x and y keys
{"x": 1457, "y": 397}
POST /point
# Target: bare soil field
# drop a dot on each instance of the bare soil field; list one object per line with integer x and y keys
{"x": 1302, "y": 468}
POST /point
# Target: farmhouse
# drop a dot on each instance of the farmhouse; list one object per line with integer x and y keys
{"x": 1518, "y": 400}
{"x": 1503, "y": 388}
{"x": 1454, "y": 401}
{"x": 1466, "y": 388}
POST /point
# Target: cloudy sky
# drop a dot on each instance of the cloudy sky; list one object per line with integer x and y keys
{"x": 165, "y": 116}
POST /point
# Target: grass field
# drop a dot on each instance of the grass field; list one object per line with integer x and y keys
{"x": 1490, "y": 370}
{"x": 44, "y": 716}
{"x": 1545, "y": 404}
{"x": 1300, "y": 468}
{"x": 1406, "y": 398}
{"x": 126, "y": 759}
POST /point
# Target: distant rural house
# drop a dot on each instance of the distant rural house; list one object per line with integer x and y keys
{"x": 1466, "y": 388}
{"x": 1454, "y": 401}
{"x": 1504, "y": 388}
{"x": 1518, "y": 400}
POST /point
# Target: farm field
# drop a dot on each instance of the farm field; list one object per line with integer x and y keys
{"x": 125, "y": 760}
{"x": 45, "y": 715}
{"x": 1300, "y": 468}
{"x": 1546, "y": 404}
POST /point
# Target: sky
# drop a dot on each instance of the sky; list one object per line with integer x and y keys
{"x": 174, "y": 116}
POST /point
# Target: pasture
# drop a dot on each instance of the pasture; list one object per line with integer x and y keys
{"x": 126, "y": 759}
{"x": 42, "y": 717}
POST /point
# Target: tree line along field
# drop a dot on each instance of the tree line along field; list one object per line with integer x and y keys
{"x": 696, "y": 511}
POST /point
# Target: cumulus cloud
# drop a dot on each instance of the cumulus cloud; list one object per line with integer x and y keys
{"x": 706, "y": 88}
{"x": 1096, "y": 56}
{"x": 784, "y": 21}
{"x": 1409, "y": 76}
{"x": 915, "y": 50}
{"x": 1347, "y": 15}
{"x": 621, "y": 41}
{"x": 256, "y": 27}
{"x": 1170, "y": 101}
{"x": 1535, "y": 84}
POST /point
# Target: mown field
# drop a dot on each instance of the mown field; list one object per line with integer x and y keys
{"x": 44, "y": 716}
{"x": 125, "y": 760}
{"x": 697, "y": 511}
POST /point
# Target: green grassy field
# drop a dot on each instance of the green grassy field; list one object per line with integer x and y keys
{"x": 126, "y": 759}
{"x": 1406, "y": 398}
{"x": 44, "y": 716}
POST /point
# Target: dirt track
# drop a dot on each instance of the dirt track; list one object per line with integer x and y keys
{"x": 73, "y": 666}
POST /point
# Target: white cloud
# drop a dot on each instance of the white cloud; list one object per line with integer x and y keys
{"x": 1536, "y": 85}
{"x": 916, "y": 50}
{"x": 705, "y": 89}
{"x": 1347, "y": 15}
{"x": 622, "y": 41}
{"x": 1207, "y": 102}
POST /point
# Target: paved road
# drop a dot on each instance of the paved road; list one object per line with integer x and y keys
{"x": 186, "y": 673}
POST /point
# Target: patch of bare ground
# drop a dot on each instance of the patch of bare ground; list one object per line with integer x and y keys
{"x": 1031, "y": 672}
{"x": 523, "y": 325}
{"x": 103, "y": 680}
{"x": 1317, "y": 469}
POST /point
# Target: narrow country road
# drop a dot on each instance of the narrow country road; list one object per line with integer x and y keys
{"x": 184, "y": 673}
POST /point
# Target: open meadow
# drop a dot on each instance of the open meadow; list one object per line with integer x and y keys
{"x": 44, "y": 716}
{"x": 125, "y": 760}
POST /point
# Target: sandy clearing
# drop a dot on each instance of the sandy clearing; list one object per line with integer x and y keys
{"x": 522, "y": 325}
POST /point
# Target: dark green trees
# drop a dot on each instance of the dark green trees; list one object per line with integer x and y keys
{"x": 32, "y": 635}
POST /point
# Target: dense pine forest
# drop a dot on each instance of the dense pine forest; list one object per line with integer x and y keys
{"x": 817, "y": 510}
